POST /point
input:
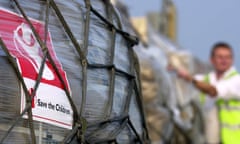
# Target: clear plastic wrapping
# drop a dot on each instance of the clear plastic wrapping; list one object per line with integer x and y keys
{"x": 158, "y": 93}
{"x": 98, "y": 80}
{"x": 168, "y": 100}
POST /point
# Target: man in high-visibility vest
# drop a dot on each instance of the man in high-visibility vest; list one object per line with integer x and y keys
{"x": 220, "y": 88}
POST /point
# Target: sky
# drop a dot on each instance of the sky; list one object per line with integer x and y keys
{"x": 201, "y": 23}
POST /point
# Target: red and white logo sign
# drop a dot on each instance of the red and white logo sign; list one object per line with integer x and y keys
{"x": 50, "y": 103}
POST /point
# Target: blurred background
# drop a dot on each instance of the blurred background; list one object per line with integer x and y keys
{"x": 199, "y": 24}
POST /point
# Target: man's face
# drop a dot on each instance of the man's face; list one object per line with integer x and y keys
{"x": 222, "y": 59}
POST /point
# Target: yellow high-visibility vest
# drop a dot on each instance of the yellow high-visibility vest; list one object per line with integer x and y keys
{"x": 229, "y": 118}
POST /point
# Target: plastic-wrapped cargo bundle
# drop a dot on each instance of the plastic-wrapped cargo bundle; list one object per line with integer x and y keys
{"x": 171, "y": 98}
{"x": 67, "y": 74}
{"x": 158, "y": 94}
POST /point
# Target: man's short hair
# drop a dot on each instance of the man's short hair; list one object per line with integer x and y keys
{"x": 220, "y": 45}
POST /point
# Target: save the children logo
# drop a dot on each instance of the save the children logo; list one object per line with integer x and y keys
{"x": 27, "y": 45}
{"x": 49, "y": 103}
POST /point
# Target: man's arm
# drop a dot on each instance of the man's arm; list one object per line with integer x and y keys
{"x": 205, "y": 87}
{"x": 200, "y": 85}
